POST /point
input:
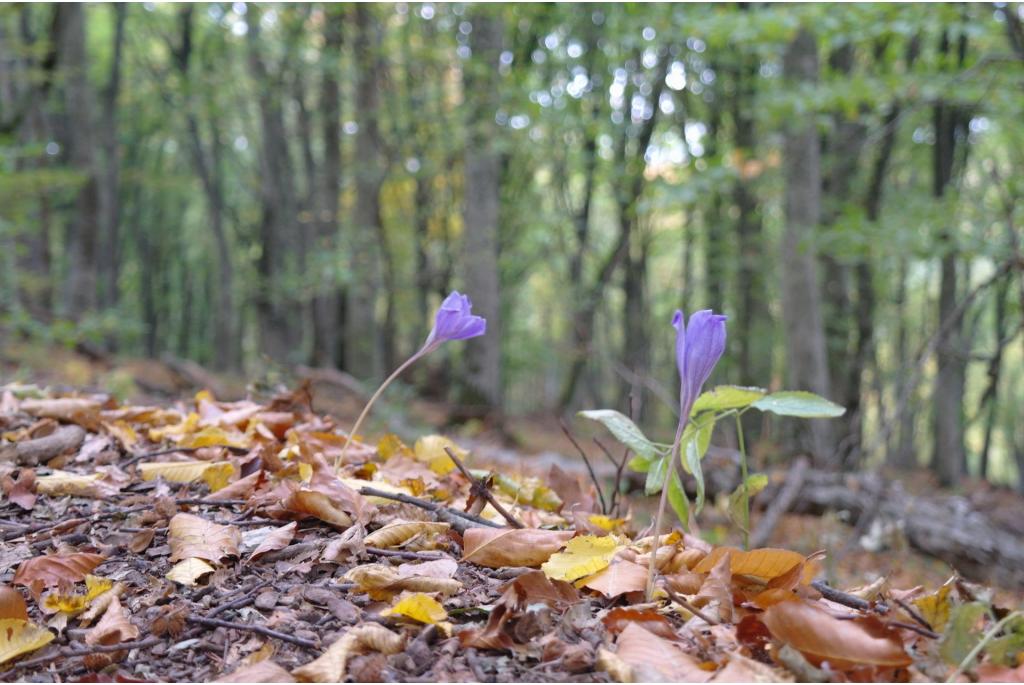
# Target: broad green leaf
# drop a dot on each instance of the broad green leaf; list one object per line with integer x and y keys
{"x": 677, "y": 498}
{"x": 1005, "y": 650}
{"x": 656, "y": 476}
{"x": 640, "y": 464}
{"x": 962, "y": 632}
{"x": 624, "y": 430}
{"x": 799, "y": 403}
{"x": 756, "y": 482}
{"x": 725, "y": 397}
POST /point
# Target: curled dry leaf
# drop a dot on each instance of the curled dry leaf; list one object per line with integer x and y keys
{"x": 261, "y": 672}
{"x": 329, "y": 667}
{"x": 12, "y": 604}
{"x": 419, "y": 607}
{"x": 437, "y": 568}
{"x": 618, "y": 579}
{"x": 215, "y": 474}
{"x": 820, "y": 636}
{"x": 716, "y": 592}
{"x": 534, "y": 586}
{"x": 83, "y": 411}
{"x": 767, "y": 562}
{"x": 654, "y": 659}
{"x": 620, "y": 617}
{"x": 52, "y": 569}
{"x": 189, "y": 571}
{"x": 497, "y": 547}
{"x": 18, "y": 637}
{"x": 318, "y": 505}
{"x": 114, "y": 628}
{"x": 273, "y": 540}
{"x": 64, "y": 483}
{"x": 100, "y": 604}
{"x": 742, "y": 669}
{"x": 381, "y": 582}
{"x": 21, "y": 491}
{"x": 193, "y": 536}
{"x": 400, "y": 532}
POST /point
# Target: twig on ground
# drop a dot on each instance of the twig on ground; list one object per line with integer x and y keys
{"x": 254, "y": 628}
{"x": 480, "y": 489}
{"x": 70, "y": 653}
{"x": 248, "y": 597}
{"x": 683, "y": 602}
{"x": 846, "y": 599}
{"x": 915, "y": 628}
{"x": 781, "y": 504}
{"x": 913, "y": 613}
{"x": 590, "y": 468}
{"x": 437, "y": 509}
{"x": 403, "y": 554}
{"x": 171, "y": 450}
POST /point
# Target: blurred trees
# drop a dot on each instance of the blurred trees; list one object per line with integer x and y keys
{"x": 246, "y": 185}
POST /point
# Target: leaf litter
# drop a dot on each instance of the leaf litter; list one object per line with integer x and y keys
{"x": 215, "y": 540}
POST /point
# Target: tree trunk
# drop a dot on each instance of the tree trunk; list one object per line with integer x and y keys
{"x": 948, "y": 454}
{"x": 325, "y": 302}
{"x": 362, "y": 331}
{"x": 482, "y": 200}
{"x": 80, "y": 143}
{"x": 806, "y": 356}
{"x": 110, "y": 253}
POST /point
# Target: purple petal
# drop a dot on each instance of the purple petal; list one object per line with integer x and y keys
{"x": 699, "y": 346}
{"x": 455, "y": 321}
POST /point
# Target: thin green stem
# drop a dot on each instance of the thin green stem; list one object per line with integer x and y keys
{"x": 982, "y": 644}
{"x": 743, "y": 482}
{"x": 366, "y": 410}
{"x": 674, "y": 458}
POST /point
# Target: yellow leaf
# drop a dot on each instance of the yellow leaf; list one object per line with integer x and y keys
{"x": 57, "y": 603}
{"x": 215, "y": 473}
{"x": 213, "y": 435}
{"x": 305, "y": 472}
{"x": 935, "y": 607}
{"x": 203, "y": 395}
{"x": 60, "y": 483}
{"x": 329, "y": 667}
{"x": 606, "y": 522}
{"x": 124, "y": 433}
{"x": 430, "y": 449}
{"x": 189, "y": 571}
{"x": 95, "y": 586}
{"x": 583, "y": 556}
{"x": 418, "y": 607}
{"x": 189, "y": 425}
{"x": 400, "y": 532}
{"x": 767, "y": 562}
{"x": 19, "y": 637}
{"x": 391, "y": 445}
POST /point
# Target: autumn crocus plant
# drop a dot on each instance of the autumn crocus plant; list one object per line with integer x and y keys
{"x": 453, "y": 321}
{"x": 699, "y": 346}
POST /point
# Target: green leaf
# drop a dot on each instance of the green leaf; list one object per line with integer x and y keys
{"x": 961, "y": 635}
{"x": 624, "y": 430}
{"x": 677, "y": 498}
{"x": 799, "y": 403}
{"x": 656, "y": 476}
{"x": 756, "y": 482}
{"x": 1005, "y": 650}
{"x": 725, "y": 397}
{"x": 692, "y": 449}
{"x": 640, "y": 464}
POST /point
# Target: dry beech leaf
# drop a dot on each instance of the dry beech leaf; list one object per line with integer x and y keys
{"x": 767, "y": 562}
{"x": 64, "y": 483}
{"x": 820, "y": 636}
{"x": 654, "y": 659}
{"x": 260, "y": 672}
{"x": 189, "y": 571}
{"x": 193, "y": 536}
{"x": 54, "y": 569}
{"x": 19, "y": 637}
{"x": 141, "y": 540}
{"x": 742, "y": 669}
{"x": 80, "y": 410}
{"x": 716, "y": 592}
{"x": 419, "y": 607}
{"x": 12, "y": 604}
{"x": 620, "y": 617}
{"x": 100, "y": 604}
{"x": 618, "y": 579}
{"x": 242, "y": 488}
{"x": 278, "y": 539}
{"x": 381, "y": 581}
{"x": 500, "y": 547}
{"x": 318, "y": 505}
{"x": 399, "y": 532}
{"x": 113, "y": 628}
{"x": 436, "y": 568}
{"x": 215, "y": 474}
{"x": 329, "y": 667}
{"x": 583, "y": 556}
{"x": 534, "y": 586}
{"x": 21, "y": 491}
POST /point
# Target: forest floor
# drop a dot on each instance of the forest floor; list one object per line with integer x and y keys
{"x": 176, "y": 536}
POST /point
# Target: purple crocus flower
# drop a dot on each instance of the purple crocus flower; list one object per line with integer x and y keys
{"x": 454, "y": 321}
{"x": 699, "y": 346}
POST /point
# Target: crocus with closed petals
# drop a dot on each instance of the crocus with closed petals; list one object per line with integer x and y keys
{"x": 699, "y": 346}
{"x": 453, "y": 321}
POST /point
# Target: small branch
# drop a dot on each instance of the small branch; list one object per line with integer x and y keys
{"x": 253, "y": 628}
{"x": 913, "y": 614}
{"x": 846, "y": 599}
{"x": 781, "y": 504}
{"x": 443, "y": 513}
{"x": 403, "y": 554}
{"x": 248, "y": 597}
{"x": 590, "y": 468}
{"x": 70, "y": 653}
{"x": 915, "y": 628}
{"x": 171, "y": 450}
{"x": 683, "y": 602}
{"x": 480, "y": 489}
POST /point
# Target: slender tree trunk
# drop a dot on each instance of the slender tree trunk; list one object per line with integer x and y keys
{"x": 482, "y": 199}
{"x": 81, "y": 148}
{"x": 806, "y": 355}
{"x": 948, "y": 455}
{"x": 363, "y": 342}
{"x": 325, "y": 302}
{"x": 110, "y": 253}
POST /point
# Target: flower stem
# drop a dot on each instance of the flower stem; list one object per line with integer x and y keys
{"x": 366, "y": 410}
{"x": 673, "y": 465}
{"x": 743, "y": 482}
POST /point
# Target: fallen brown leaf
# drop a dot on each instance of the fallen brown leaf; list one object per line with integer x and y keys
{"x": 654, "y": 659}
{"x": 279, "y": 539}
{"x": 618, "y": 579}
{"x": 52, "y": 569}
{"x": 12, "y": 604}
{"x": 192, "y": 536}
{"x": 113, "y": 628}
{"x": 499, "y": 547}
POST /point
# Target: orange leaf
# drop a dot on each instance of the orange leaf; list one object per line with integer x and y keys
{"x": 767, "y": 562}
{"x": 619, "y": 618}
{"x": 278, "y": 539}
{"x": 12, "y": 604}
{"x": 498, "y": 547}
{"x": 53, "y": 569}
{"x": 317, "y": 505}
{"x": 655, "y": 659}
{"x": 821, "y": 636}
{"x": 114, "y": 628}
{"x": 619, "y": 578}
